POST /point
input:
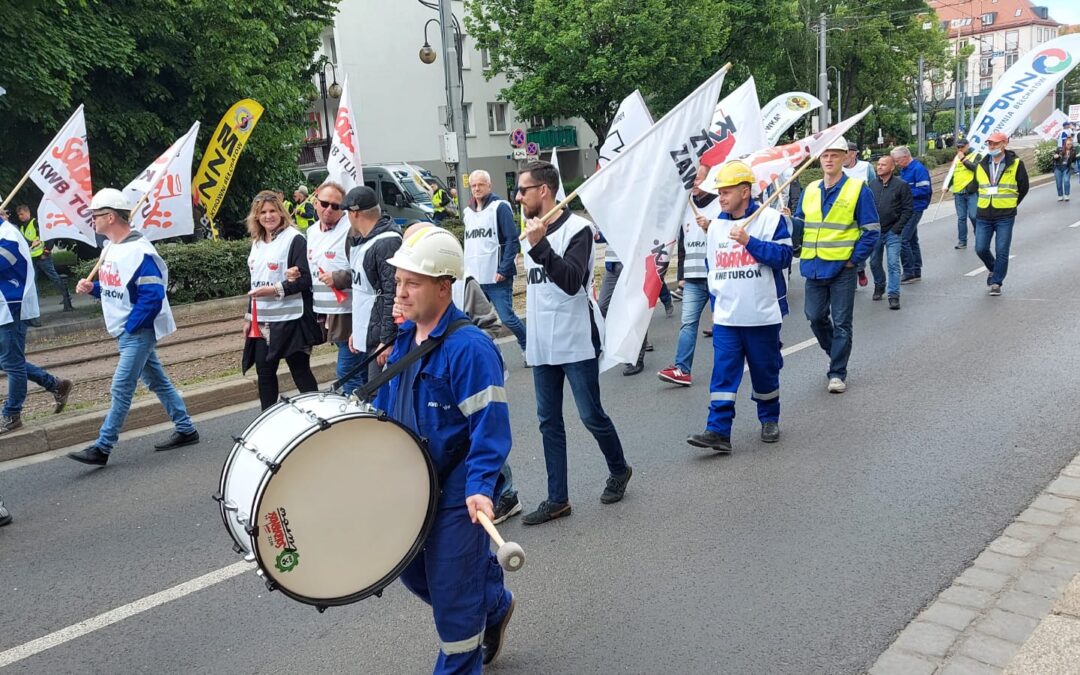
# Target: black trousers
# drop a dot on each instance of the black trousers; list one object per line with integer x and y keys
{"x": 299, "y": 367}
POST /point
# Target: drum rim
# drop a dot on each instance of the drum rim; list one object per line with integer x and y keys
{"x": 379, "y": 586}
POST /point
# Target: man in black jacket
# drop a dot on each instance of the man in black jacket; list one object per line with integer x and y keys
{"x": 1003, "y": 184}
{"x": 894, "y": 204}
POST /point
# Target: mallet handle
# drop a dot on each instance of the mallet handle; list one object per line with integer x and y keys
{"x": 490, "y": 527}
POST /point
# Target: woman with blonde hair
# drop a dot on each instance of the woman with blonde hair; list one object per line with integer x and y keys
{"x": 285, "y": 321}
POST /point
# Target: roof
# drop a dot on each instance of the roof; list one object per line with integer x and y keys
{"x": 965, "y": 16}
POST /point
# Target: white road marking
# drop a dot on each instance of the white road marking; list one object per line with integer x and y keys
{"x": 1076, "y": 224}
{"x": 23, "y": 651}
{"x": 981, "y": 270}
{"x": 790, "y": 350}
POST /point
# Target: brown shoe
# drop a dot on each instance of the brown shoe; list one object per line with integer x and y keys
{"x": 63, "y": 390}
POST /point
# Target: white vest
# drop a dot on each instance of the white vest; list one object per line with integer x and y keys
{"x": 560, "y": 325}
{"x": 363, "y": 291}
{"x": 861, "y": 171}
{"x": 29, "y": 309}
{"x": 326, "y": 252}
{"x": 482, "y": 248}
{"x": 118, "y": 267}
{"x": 457, "y": 294}
{"x": 695, "y": 239}
{"x": 744, "y": 289}
{"x": 268, "y": 262}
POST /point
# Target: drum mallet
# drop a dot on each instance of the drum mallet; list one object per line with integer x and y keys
{"x": 510, "y": 555}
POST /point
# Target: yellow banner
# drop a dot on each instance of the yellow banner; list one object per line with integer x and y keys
{"x": 219, "y": 161}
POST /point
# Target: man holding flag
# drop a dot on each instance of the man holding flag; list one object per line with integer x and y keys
{"x": 841, "y": 229}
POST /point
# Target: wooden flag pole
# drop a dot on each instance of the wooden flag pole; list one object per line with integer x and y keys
{"x": 810, "y": 160}
{"x": 15, "y": 190}
{"x": 943, "y": 189}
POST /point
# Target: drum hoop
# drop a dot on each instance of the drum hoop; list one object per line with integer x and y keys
{"x": 379, "y": 586}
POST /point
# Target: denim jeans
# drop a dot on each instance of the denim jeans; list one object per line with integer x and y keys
{"x": 910, "y": 253}
{"x": 13, "y": 362}
{"x": 346, "y": 361}
{"x": 967, "y": 204}
{"x": 501, "y": 295}
{"x": 612, "y": 270}
{"x": 138, "y": 359}
{"x": 829, "y": 306}
{"x": 504, "y": 484}
{"x": 998, "y": 262}
{"x": 888, "y": 245}
{"x": 1061, "y": 180}
{"x": 44, "y": 265}
{"x": 584, "y": 377}
{"x": 695, "y": 296}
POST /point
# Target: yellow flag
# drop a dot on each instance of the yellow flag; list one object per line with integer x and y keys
{"x": 219, "y": 160}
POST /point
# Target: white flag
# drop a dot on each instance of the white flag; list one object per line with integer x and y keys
{"x": 561, "y": 193}
{"x": 1051, "y": 127}
{"x": 62, "y": 173}
{"x": 780, "y": 113}
{"x": 736, "y": 126}
{"x": 637, "y": 200}
{"x": 631, "y": 120}
{"x": 343, "y": 165}
{"x": 166, "y": 211}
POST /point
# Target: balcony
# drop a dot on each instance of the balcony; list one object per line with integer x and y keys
{"x": 550, "y": 137}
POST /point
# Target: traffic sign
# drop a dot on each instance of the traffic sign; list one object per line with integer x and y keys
{"x": 517, "y": 138}
{"x": 532, "y": 149}
{"x": 519, "y": 153}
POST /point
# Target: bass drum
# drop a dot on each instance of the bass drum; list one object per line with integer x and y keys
{"x": 331, "y": 499}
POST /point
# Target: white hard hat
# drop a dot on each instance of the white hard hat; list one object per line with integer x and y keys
{"x": 110, "y": 198}
{"x": 839, "y": 144}
{"x": 433, "y": 252}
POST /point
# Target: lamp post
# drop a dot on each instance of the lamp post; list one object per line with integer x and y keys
{"x": 839, "y": 95}
{"x": 334, "y": 91}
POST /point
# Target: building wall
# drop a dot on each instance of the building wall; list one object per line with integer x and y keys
{"x": 397, "y": 97}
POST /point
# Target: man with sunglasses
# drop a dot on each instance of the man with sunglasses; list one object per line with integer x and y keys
{"x": 564, "y": 341}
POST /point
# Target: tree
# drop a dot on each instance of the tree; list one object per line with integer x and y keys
{"x": 147, "y": 69}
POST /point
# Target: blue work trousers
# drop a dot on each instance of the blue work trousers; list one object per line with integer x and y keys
{"x": 734, "y": 346}
{"x": 910, "y": 252}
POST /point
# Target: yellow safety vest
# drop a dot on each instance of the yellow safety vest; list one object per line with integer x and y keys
{"x": 830, "y": 236}
{"x": 439, "y": 199}
{"x": 1008, "y": 193}
{"x": 302, "y": 223}
{"x": 962, "y": 176}
{"x": 30, "y": 233}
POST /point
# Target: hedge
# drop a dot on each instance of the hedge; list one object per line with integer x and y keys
{"x": 202, "y": 270}
{"x": 1044, "y": 156}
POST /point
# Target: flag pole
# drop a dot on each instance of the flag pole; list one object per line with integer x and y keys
{"x": 26, "y": 175}
{"x": 944, "y": 188}
{"x": 805, "y": 165}
{"x": 15, "y": 190}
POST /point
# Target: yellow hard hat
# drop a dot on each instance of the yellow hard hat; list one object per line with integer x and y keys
{"x": 734, "y": 173}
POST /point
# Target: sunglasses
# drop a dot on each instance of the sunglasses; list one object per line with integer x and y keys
{"x": 524, "y": 189}
{"x": 329, "y": 205}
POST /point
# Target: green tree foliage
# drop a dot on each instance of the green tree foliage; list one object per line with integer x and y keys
{"x": 145, "y": 70}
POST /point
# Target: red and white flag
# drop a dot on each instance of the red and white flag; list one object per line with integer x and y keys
{"x": 166, "y": 211}
{"x": 736, "y": 125}
{"x": 343, "y": 165}
{"x": 637, "y": 200}
{"x": 62, "y": 173}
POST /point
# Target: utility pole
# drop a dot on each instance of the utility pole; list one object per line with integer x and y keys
{"x": 921, "y": 132}
{"x": 453, "y": 85}
{"x": 823, "y": 73}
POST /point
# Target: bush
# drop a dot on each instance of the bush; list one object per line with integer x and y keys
{"x": 570, "y": 185}
{"x": 810, "y": 175}
{"x": 1044, "y": 156}
{"x": 202, "y": 270}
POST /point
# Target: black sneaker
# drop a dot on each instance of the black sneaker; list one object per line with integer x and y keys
{"x": 908, "y": 279}
{"x": 507, "y": 506}
{"x": 878, "y": 292}
{"x": 60, "y": 396}
{"x": 545, "y": 512}
{"x": 894, "y": 302}
{"x": 10, "y": 423}
{"x": 177, "y": 440}
{"x": 616, "y": 486}
{"x": 90, "y": 455}
{"x": 493, "y": 635}
{"x": 634, "y": 368}
{"x": 960, "y": 246}
{"x": 770, "y": 432}
{"x": 5, "y": 515}
{"x": 711, "y": 440}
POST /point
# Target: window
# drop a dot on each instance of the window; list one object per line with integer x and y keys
{"x": 988, "y": 18}
{"x": 540, "y": 122}
{"x": 984, "y": 84}
{"x": 466, "y": 60}
{"x": 1010, "y": 59}
{"x": 939, "y": 92}
{"x": 467, "y": 111}
{"x": 986, "y": 67}
{"x": 333, "y": 48}
{"x": 1019, "y": 11}
{"x": 986, "y": 44}
{"x": 960, "y": 23}
{"x": 390, "y": 193}
{"x": 1012, "y": 40}
{"x": 485, "y": 58}
{"x": 314, "y": 130}
{"x": 496, "y": 117}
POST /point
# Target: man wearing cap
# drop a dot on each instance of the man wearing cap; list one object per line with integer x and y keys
{"x": 1003, "y": 184}
{"x": 373, "y": 240}
{"x": 841, "y": 229}
{"x": 747, "y": 256}
{"x": 132, "y": 279}
{"x": 19, "y": 304}
{"x": 455, "y": 398}
{"x": 965, "y": 190}
{"x": 302, "y": 212}
{"x": 918, "y": 179}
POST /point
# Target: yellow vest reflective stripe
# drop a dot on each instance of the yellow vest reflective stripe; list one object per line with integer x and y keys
{"x": 438, "y": 200}
{"x": 302, "y": 223}
{"x": 830, "y": 236}
{"x": 962, "y": 176}
{"x": 1008, "y": 192}
{"x": 30, "y": 233}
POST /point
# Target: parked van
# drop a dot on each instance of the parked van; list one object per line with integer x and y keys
{"x": 398, "y": 190}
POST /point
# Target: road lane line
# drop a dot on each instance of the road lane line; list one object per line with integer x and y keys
{"x": 23, "y": 651}
{"x": 799, "y": 347}
{"x": 1076, "y": 224}
{"x": 981, "y": 270}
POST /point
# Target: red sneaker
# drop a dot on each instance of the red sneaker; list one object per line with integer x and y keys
{"x": 674, "y": 375}
{"x": 862, "y": 278}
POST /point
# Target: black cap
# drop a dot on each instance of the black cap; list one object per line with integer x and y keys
{"x": 962, "y": 141}
{"x": 852, "y": 147}
{"x": 360, "y": 198}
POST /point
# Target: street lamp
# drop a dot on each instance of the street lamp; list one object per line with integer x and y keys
{"x": 839, "y": 95}
{"x": 427, "y": 54}
{"x": 334, "y": 91}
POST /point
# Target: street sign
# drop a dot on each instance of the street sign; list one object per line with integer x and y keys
{"x": 1074, "y": 113}
{"x": 519, "y": 153}
{"x": 532, "y": 149}
{"x": 517, "y": 138}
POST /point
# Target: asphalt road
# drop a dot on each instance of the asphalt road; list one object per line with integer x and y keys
{"x": 802, "y": 557}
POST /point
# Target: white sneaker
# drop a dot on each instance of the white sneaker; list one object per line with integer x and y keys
{"x": 1061, "y": 199}
{"x": 837, "y": 386}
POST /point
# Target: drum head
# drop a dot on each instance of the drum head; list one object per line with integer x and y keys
{"x": 347, "y": 511}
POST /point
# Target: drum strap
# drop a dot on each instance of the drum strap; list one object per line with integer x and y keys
{"x": 367, "y": 392}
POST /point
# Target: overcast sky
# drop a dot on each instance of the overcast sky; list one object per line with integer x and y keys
{"x": 1065, "y": 11}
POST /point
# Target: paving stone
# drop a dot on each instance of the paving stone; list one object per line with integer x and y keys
{"x": 966, "y": 596}
{"x": 1065, "y": 486}
{"x": 1070, "y": 533}
{"x": 1010, "y": 546}
{"x": 984, "y": 579}
{"x": 1072, "y": 470}
{"x": 1055, "y": 567}
{"x": 1053, "y": 648}
{"x": 1054, "y": 504}
{"x": 989, "y": 649}
{"x": 1061, "y": 549}
{"x": 1040, "y": 517}
{"x": 1007, "y": 625}
{"x": 898, "y": 662}
{"x": 1028, "y": 604}
{"x": 961, "y": 665}
{"x": 947, "y": 614}
{"x": 1069, "y": 603}
{"x": 1028, "y": 532}
{"x": 926, "y": 638}
{"x": 998, "y": 562}
{"x": 1041, "y": 583}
